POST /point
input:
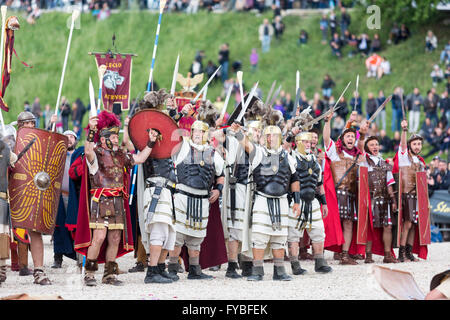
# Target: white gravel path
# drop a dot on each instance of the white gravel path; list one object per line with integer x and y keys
{"x": 344, "y": 283}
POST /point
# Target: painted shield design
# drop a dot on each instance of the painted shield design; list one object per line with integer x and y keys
{"x": 169, "y": 139}
{"x": 35, "y": 181}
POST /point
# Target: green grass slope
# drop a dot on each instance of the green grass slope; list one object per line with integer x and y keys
{"x": 43, "y": 45}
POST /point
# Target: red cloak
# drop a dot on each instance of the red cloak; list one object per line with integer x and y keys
{"x": 83, "y": 235}
{"x": 213, "y": 251}
{"x": 421, "y": 251}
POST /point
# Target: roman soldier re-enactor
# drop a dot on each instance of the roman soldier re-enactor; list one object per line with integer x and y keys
{"x": 7, "y": 158}
{"x": 108, "y": 193}
{"x": 309, "y": 174}
{"x": 344, "y": 158}
{"x": 408, "y": 162}
{"x": 200, "y": 179}
{"x": 274, "y": 175}
{"x": 237, "y": 180}
{"x": 155, "y": 189}
{"x": 382, "y": 198}
{"x": 27, "y": 119}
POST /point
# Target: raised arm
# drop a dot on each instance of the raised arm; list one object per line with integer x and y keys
{"x": 126, "y": 137}
{"x": 89, "y": 144}
{"x": 327, "y": 130}
{"x": 143, "y": 155}
{"x": 404, "y": 137}
{"x": 242, "y": 138}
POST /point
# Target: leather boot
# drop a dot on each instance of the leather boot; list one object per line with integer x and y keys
{"x": 231, "y": 271}
{"x": 401, "y": 254}
{"x": 57, "y": 261}
{"x": 279, "y": 273}
{"x": 321, "y": 266}
{"x": 389, "y": 258}
{"x": 369, "y": 258}
{"x": 172, "y": 269}
{"x": 90, "y": 267}
{"x": 346, "y": 260}
{"x": 139, "y": 267}
{"x": 409, "y": 254}
{"x": 110, "y": 274}
{"x": 247, "y": 268}
{"x": 195, "y": 273}
{"x": 257, "y": 274}
{"x": 154, "y": 276}
{"x": 165, "y": 274}
{"x": 296, "y": 268}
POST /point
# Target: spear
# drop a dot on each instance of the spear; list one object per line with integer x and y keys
{"x": 357, "y": 85}
{"x": 162, "y": 4}
{"x": 174, "y": 78}
{"x": 101, "y": 72}
{"x": 75, "y": 15}
{"x": 3, "y": 10}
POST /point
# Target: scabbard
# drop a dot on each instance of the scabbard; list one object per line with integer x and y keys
{"x": 153, "y": 203}
{"x": 233, "y": 201}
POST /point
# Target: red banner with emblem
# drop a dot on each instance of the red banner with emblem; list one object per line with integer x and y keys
{"x": 116, "y": 82}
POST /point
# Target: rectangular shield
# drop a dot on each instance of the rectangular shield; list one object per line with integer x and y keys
{"x": 35, "y": 181}
{"x": 399, "y": 226}
{"x": 363, "y": 206}
{"x": 423, "y": 208}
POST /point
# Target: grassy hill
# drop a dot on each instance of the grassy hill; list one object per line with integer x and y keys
{"x": 43, "y": 46}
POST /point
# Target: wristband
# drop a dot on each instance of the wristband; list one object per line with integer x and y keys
{"x": 239, "y": 136}
{"x": 296, "y": 197}
{"x": 219, "y": 187}
{"x": 151, "y": 144}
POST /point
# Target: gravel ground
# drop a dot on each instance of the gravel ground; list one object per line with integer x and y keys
{"x": 344, "y": 283}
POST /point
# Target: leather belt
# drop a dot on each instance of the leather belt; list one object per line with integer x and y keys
{"x": 192, "y": 195}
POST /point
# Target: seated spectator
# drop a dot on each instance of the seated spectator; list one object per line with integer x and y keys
{"x": 394, "y": 34}
{"x": 436, "y": 75}
{"x": 404, "y": 33}
{"x": 375, "y": 45}
{"x": 385, "y": 142}
{"x": 96, "y": 10}
{"x": 33, "y": 15}
{"x": 327, "y": 86}
{"x": 442, "y": 176}
{"x": 346, "y": 37}
{"x": 303, "y": 37}
{"x": 336, "y": 45}
{"x": 431, "y": 42}
{"x": 383, "y": 68}
{"x": 430, "y": 107}
{"x": 353, "y": 44}
{"x": 437, "y": 142}
{"x": 426, "y": 131}
{"x": 445, "y": 54}
{"x": 447, "y": 72}
{"x": 364, "y": 45}
{"x": 196, "y": 68}
{"x": 372, "y": 64}
{"x": 104, "y": 12}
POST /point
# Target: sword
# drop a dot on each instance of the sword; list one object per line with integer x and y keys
{"x": 275, "y": 96}
{"x": 380, "y": 108}
{"x": 101, "y": 72}
{"x": 174, "y": 78}
{"x": 403, "y": 106}
{"x": 224, "y": 109}
{"x": 239, "y": 75}
{"x": 27, "y": 147}
{"x": 357, "y": 85}
{"x": 270, "y": 94}
{"x": 315, "y": 120}
{"x": 247, "y": 102}
{"x": 193, "y": 102}
{"x": 92, "y": 99}
{"x": 296, "y": 103}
